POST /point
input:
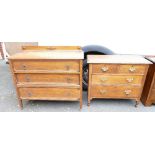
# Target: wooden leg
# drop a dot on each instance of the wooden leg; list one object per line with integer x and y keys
{"x": 81, "y": 104}
{"x": 137, "y": 103}
{"x": 148, "y": 103}
{"x": 20, "y": 105}
{"x": 88, "y": 102}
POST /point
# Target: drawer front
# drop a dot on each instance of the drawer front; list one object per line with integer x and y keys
{"x": 115, "y": 92}
{"x": 152, "y": 96}
{"x": 48, "y": 78}
{"x": 132, "y": 69}
{"x": 121, "y": 69}
{"x": 107, "y": 79}
{"x": 54, "y": 65}
{"x": 49, "y": 93}
{"x": 104, "y": 68}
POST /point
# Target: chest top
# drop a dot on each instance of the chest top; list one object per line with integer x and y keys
{"x": 117, "y": 59}
{"x": 49, "y": 54}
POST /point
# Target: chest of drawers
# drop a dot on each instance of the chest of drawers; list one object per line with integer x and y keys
{"x": 116, "y": 76}
{"x": 48, "y": 75}
{"x": 148, "y": 95}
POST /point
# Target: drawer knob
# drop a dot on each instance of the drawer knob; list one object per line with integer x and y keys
{"x": 29, "y": 94}
{"x": 132, "y": 69}
{"x": 104, "y": 69}
{"x": 127, "y": 92}
{"x": 24, "y": 67}
{"x": 104, "y": 79}
{"x": 129, "y": 80}
{"x": 27, "y": 78}
{"x": 69, "y": 80}
{"x": 67, "y": 67}
{"x": 103, "y": 91}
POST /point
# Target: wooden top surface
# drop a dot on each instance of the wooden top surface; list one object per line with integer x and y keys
{"x": 151, "y": 59}
{"x": 117, "y": 59}
{"x": 49, "y": 54}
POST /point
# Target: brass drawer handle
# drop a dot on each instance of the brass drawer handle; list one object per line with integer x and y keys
{"x": 104, "y": 79}
{"x": 104, "y": 69}
{"x": 127, "y": 92}
{"x": 129, "y": 80}
{"x": 103, "y": 91}
{"x": 132, "y": 69}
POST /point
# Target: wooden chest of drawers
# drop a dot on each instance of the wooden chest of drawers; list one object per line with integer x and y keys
{"x": 116, "y": 76}
{"x": 148, "y": 95}
{"x": 48, "y": 75}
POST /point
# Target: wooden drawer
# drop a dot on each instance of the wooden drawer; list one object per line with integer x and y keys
{"x": 121, "y": 69}
{"x": 49, "y": 93}
{"x": 45, "y": 65}
{"x": 132, "y": 69}
{"x": 118, "y": 79}
{"x": 152, "y": 96}
{"x": 48, "y": 78}
{"x": 115, "y": 92}
{"x": 104, "y": 68}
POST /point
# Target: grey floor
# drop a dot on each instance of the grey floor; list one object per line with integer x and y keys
{"x": 8, "y": 101}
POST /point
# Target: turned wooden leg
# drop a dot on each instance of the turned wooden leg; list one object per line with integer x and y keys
{"x": 20, "y": 104}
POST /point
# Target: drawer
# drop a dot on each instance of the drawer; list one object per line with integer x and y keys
{"x": 121, "y": 69}
{"x": 104, "y": 68}
{"x": 152, "y": 96}
{"x": 118, "y": 79}
{"x": 54, "y": 65}
{"x": 48, "y": 78}
{"x": 115, "y": 92}
{"x": 132, "y": 69}
{"x": 49, "y": 93}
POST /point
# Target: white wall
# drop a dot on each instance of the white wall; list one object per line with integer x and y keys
{"x": 124, "y": 26}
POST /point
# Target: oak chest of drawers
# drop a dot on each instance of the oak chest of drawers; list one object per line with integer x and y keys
{"x": 116, "y": 76}
{"x": 148, "y": 95}
{"x": 48, "y": 75}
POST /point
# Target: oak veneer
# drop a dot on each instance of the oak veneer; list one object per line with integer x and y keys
{"x": 48, "y": 75}
{"x": 116, "y": 76}
{"x": 148, "y": 95}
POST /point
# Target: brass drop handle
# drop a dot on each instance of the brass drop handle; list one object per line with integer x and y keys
{"x": 104, "y": 79}
{"x": 103, "y": 91}
{"x": 129, "y": 80}
{"x": 104, "y": 69}
{"x": 127, "y": 92}
{"x": 132, "y": 69}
